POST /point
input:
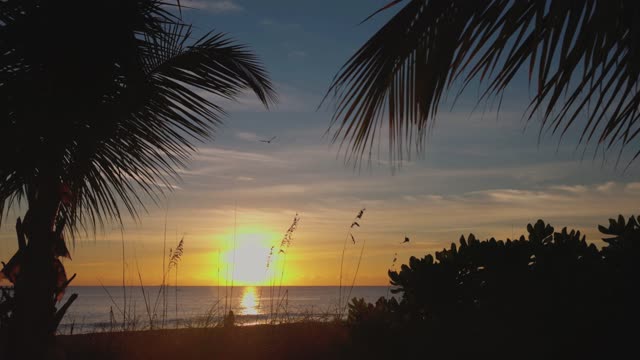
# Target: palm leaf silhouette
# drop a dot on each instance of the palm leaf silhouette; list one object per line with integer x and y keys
{"x": 581, "y": 58}
{"x": 123, "y": 110}
{"x": 101, "y": 105}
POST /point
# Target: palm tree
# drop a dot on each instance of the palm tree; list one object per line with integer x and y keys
{"x": 582, "y": 57}
{"x": 101, "y": 102}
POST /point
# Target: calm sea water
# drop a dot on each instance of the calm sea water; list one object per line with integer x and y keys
{"x": 202, "y": 306}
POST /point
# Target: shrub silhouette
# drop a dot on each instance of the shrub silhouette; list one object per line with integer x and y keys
{"x": 551, "y": 292}
{"x": 378, "y": 318}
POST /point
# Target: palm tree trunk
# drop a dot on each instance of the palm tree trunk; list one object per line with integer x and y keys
{"x": 31, "y": 325}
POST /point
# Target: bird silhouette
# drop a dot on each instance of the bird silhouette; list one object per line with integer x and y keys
{"x": 406, "y": 239}
{"x": 268, "y": 141}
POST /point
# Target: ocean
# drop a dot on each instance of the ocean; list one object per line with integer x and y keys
{"x": 99, "y": 309}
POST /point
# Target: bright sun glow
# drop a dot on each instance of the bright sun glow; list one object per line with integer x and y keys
{"x": 246, "y": 263}
{"x": 249, "y": 302}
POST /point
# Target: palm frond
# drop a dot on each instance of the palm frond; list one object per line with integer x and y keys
{"x": 581, "y": 57}
{"x": 169, "y": 107}
{"x": 121, "y": 113}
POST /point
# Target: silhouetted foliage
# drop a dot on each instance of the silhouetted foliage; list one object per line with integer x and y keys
{"x": 109, "y": 108}
{"x": 580, "y": 56}
{"x": 367, "y": 314}
{"x": 100, "y": 103}
{"x": 229, "y": 319}
{"x": 550, "y": 292}
{"x": 6, "y": 304}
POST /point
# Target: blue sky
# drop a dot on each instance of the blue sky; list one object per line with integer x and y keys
{"x": 479, "y": 173}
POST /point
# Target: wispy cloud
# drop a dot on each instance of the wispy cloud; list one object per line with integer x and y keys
{"x": 633, "y": 187}
{"x": 212, "y": 6}
{"x": 218, "y": 154}
{"x": 297, "y": 54}
{"x": 607, "y": 187}
{"x": 576, "y": 189}
{"x": 290, "y": 99}
{"x": 438, "y": 220}
{"x": 247, "y": 136}
{"x": 278, "y": 25}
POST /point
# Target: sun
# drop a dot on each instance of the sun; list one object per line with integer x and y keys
{"x": 246, "y": 263}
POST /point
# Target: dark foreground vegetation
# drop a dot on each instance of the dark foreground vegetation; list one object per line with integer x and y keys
{"x": 548, "y": 295}
{"x": 101, "y": 102}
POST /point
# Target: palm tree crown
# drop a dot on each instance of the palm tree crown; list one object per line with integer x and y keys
{"x": 106, "y": 98}
{"x": 583, "y": 58}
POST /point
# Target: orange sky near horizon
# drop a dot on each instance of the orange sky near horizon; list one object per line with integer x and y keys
{"x": 313, "y": 258}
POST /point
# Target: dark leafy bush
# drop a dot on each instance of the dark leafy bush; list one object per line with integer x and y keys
{"x": 549, "y": 292}
{"x": 382, "y": 316}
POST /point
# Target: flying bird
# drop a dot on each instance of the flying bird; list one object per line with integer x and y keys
{"x": 406, "y": 239}
{"x": 268, "y": 141}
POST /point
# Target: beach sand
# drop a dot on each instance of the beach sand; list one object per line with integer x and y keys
{"x": 287, "y": 341}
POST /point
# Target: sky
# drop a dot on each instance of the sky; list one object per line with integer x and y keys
{"x": 481, "y": 172}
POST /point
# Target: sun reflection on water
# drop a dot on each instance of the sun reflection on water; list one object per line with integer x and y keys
{"x": 249, "y": 303}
